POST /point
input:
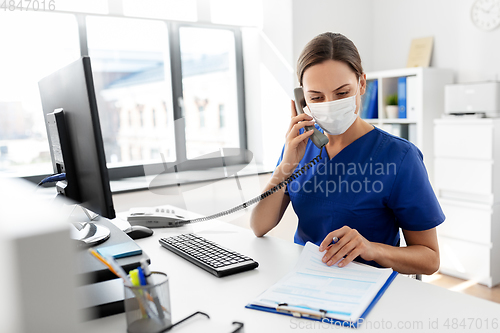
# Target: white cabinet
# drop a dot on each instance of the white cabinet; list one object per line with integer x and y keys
{"x": 467, "y": 183}
{"x": 427, "y": 101}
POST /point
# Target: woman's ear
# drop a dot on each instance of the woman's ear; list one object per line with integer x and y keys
{"x": 362, "y": 82}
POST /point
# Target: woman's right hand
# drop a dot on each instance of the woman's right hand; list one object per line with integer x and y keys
{"x": 295, "y": 144}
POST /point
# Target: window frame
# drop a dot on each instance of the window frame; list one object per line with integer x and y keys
{"x": 177, "y": 96}
{"x": 173, "y": 28}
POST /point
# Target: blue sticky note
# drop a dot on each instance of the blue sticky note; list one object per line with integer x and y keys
{"x": 120, "y": 250}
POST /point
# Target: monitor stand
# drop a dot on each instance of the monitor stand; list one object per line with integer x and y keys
{"x": 87, "y": 233}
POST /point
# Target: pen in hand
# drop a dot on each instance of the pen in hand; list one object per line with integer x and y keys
{"x": 334, "y": 241}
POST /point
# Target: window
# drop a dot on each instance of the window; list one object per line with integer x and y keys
{"x": 131, "y": 68}
{"x": 221, "y": 116}
{"x": 130, "y": 122}
{"x": 149, "y": 74}
{"x": 201, "y": 116}
{"x": 240, "y": 12}
{"x": 87, "y": 6}
{"x": 140, "y": 108}
{"x": 181, "y": 10}
{"x": 208, "y": 80}
{"x": 38, "y": 52}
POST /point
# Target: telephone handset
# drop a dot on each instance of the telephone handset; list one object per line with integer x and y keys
{"x": 318, "y": 138}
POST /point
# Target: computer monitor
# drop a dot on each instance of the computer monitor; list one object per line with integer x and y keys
{"x": 75, "y": 139}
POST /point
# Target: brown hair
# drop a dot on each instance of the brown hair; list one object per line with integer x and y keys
{"x": 329, "y": 46}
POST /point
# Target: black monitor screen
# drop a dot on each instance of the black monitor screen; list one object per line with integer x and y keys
{"x": 72, "y": 89}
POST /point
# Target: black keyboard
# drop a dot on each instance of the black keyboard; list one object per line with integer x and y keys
{"x": 208, "y": 255}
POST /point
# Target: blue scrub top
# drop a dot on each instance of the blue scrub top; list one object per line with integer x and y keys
{"x": 375, "y": 185}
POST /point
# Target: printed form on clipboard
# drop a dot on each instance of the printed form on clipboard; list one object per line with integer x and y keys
{"x": 316, "y": 291}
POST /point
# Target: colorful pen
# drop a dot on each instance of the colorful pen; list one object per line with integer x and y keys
{"x": 116, "y": 269}
{"x": 142, "y": 278}
{"x": 136, "y": 282}
{"x": 149, "y": 280}
{"x": 118, "y": 272}
{"x": 134, "y": 277}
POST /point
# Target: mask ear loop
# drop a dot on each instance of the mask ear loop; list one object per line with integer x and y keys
{"x": 358, "y": 91}
{"x": 359, "y": 86}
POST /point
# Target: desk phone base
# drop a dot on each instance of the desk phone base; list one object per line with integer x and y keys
{"x": 208, "y": 255}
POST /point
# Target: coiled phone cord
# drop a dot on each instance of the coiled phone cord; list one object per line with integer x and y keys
{"x": 262, "y": 196}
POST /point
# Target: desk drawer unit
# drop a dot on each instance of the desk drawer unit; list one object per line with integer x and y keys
{"x": 466, "y": 260}
{"x": 464, "y": 176}
{"x": 467, "y": 183}
{"x": 467, "y": 221}
{"x": 463, "y": 139}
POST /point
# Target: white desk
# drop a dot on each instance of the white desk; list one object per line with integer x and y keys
{"x": 407, "y": 302}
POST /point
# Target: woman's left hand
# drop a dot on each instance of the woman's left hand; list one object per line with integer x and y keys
{"x": 350, "y": 244}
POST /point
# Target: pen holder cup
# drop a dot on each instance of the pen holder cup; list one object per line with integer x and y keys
{"x": 147, "y": 308}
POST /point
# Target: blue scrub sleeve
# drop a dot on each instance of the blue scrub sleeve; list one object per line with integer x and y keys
{"x": 412, "y": 198}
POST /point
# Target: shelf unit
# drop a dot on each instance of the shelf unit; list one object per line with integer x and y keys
{"x": 429, "y": 105}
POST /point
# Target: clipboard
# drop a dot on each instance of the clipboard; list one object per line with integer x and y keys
{"x": 331, "y": 294}
{"x": 320, "y": 314}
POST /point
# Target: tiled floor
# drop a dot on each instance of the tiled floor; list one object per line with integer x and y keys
{"x": 464, "y": 286}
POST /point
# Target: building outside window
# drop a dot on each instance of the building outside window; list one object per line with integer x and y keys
{"x": 132, "y": 68}
{"x": 221, "y": 116}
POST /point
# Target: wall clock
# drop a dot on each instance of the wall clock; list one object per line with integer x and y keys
{"x": 485, "y": 14}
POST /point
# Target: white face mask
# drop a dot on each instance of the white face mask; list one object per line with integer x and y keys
{"x": 334, "y": 117}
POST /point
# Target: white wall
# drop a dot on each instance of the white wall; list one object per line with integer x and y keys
{"x": 473, "y": 54}
{"x": 269, "y": 80}
{"x": 353, "y": 18}
{"x": 383, "y": 29}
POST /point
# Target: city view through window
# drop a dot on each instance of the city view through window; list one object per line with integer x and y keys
{"x": 131, "y": 67}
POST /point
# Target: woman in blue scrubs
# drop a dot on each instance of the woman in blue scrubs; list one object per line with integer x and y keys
{"x": 367, "y": 184}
